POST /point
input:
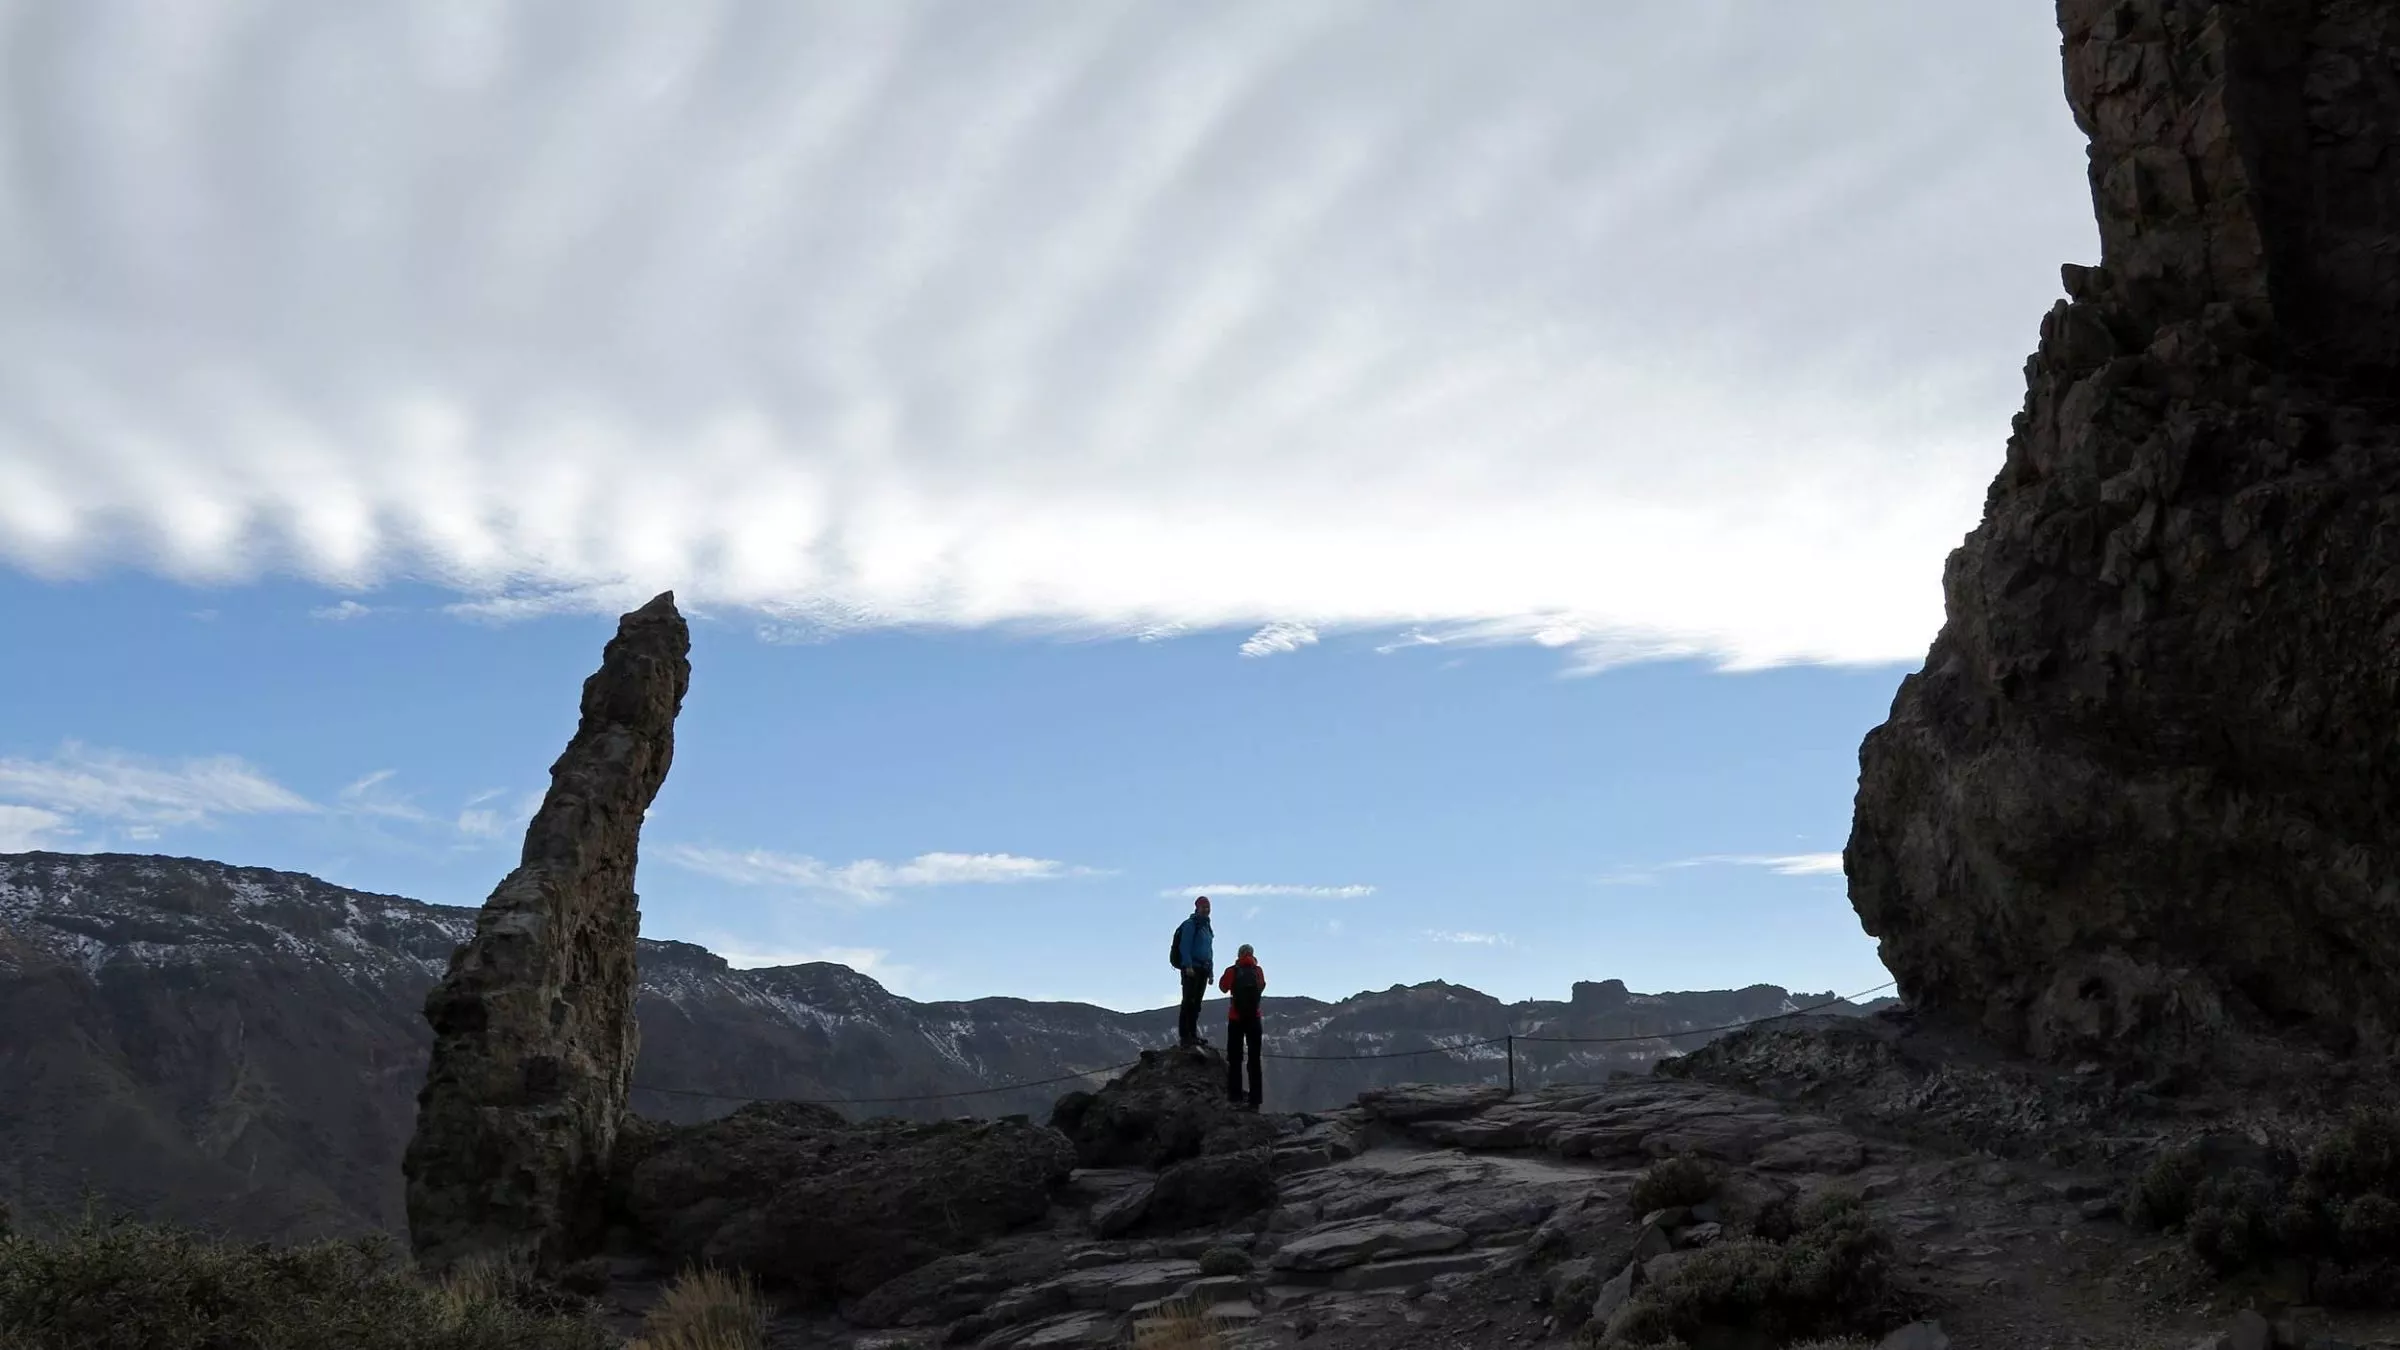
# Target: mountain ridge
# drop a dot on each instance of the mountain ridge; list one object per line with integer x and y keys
{"x": 241, "y": 1046}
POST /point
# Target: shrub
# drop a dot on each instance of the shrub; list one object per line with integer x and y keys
{"x": 706, "y": 1309}
{"x": 2161, "y": 1197}
{"x": 2336, "y": 1209}
{"x": 1831, "y": 1277}
{"x": 1671, "y": 1183}
{"x": 117, "y": 1285}
{"x": 1218, "y": 1261}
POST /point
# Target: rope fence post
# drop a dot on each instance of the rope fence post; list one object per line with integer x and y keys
{"x": 1512, "y": 1064}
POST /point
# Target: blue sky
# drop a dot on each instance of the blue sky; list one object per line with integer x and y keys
{"x": 1478, "y": 815}
{"x": 1500, "y": 459}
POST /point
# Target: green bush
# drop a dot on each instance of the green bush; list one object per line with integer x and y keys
{"x": 1673, "y": 1183}
{"x": 1831, "y": 1277}
{"x": 1218, "y": 1261}
{"x": 117, "y": 1285}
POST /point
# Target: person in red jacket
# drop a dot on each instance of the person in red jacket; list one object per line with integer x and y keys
{"x": 1246, "y": 980}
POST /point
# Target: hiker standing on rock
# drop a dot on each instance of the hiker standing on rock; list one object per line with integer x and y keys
{"x": 1246, "y": 980}
{"x": 1195, "y": 954}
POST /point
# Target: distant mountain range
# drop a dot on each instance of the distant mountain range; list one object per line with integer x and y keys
{"x": 241, "y": 1048}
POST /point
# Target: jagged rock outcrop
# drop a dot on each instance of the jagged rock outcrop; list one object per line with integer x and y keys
{"x": 1167, "y": 1108}
{"x": 2142, "y": 794}
{"x": 823, "y": 1208}
{"x": 534, "y": 1035}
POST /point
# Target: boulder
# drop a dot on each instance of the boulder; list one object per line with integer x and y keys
{"x": 533, "y": 1030}
{"x": 2140, "y": 801}
{"x": 824, "y": 1209}
{"x": 1211, "y": 1189}
{"x": 1168, "y": 1107}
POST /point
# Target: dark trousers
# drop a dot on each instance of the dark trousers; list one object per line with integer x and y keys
{"x": 1187, "y": 1021}
{"x": 1239, "y": 1036}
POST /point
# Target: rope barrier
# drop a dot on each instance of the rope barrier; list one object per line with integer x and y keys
{"x": 1401, "y": 1054}
{"x": 886, "y": 1101}
{"x": 1509, "y": 1040}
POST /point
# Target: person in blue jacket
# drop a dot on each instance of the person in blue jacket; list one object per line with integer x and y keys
{"x": 1195, "y": 955}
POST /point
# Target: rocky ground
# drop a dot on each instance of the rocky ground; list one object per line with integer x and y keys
{"x": 1441, "y": 1216}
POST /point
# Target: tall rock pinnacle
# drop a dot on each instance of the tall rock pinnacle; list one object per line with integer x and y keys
{"x": 2142, "y": 798}
{"x": 534, "y": 1035}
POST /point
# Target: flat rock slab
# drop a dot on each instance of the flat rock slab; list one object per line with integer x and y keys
{"x": 1120, "y": 1288}
{"x": 1409, "y": 1270}
{"x": 1072, "y": 1332}
{"x": 1352, "y": 1244}
{"x": 1416, "y": 1103}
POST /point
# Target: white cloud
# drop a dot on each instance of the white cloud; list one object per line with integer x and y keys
{"x": 869, "y": 879}
{"x": 1279, "y": 637}
{"x": 114, "y": 786}
{"x": 1089, "y": 318}
{"x": 348, "y": 609}
{"x": 1470, "y": 939}
{"x": 1255, "y": 888}
{"x": 24, "y": 829}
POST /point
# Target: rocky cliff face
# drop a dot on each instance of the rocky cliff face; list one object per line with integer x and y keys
{"x": 2142, "y": 795}
{"x": 240, "y": 1047}
{"x": 534, "y": 1033}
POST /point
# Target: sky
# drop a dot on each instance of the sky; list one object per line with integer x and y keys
{"x": 1452, "y": 483}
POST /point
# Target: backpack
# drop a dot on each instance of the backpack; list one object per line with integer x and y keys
{"x": 1247, "y": 982}
{"x": 1175, "y": 948}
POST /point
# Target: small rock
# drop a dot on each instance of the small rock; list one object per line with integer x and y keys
{"x": 1674, "y": 1217}
{"x": 1122, "y": 1214}
{"x": 1658, "y": 1268}
{"x": 2250, "y": 1331}
{"x": 1557, "y": 1279}
{"x": 1916, "y": 1336}
{"x": 2104, "y": 1208}
{"x": 1707, "y": 1212}
{"x": 1653, "y": 1241}
{"x": 1613, "y": 1295}
{"x": 1700, "y": 1234}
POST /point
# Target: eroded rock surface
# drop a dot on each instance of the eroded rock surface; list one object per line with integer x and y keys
{"x": 2142, "y": 793}
{"x": 824, "y": 1209}
{"x": 534, "y": 1035}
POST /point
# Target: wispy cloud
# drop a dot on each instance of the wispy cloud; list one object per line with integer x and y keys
{"x": 347, "y": 609}
{"x": 1470, "y": 939}
{"x": 1279, "y": 637}
{"x": 114, "y": 786}
{"x": 868, "y": 879}
{"x": 1258, "y": 888}
{"x": 373, "y": 795}
{"x": 26, "y": 828}
{"x": 1781, "y": 864}
{"x": 1102, "y": 319}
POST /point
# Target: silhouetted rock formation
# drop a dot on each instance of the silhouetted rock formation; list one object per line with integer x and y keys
{"x": 2142, "y": 792}
{"x": 534, "y": 1036}
{"x": 1168, "y": 1107}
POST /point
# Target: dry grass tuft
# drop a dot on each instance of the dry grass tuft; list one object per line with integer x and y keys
{"x": 1182, "y": 1325}
{"x": 706, "y": 1309}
